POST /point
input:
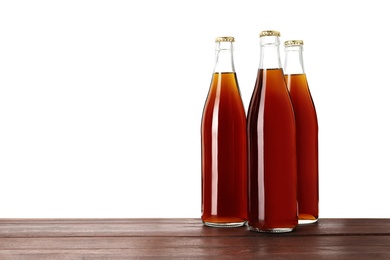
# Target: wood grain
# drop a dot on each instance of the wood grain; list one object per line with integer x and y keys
{"x": 188, "y": 238}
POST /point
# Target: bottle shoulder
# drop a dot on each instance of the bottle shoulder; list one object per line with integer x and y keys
{"x": 224, "y": 91}
{"x": 270, "y": 95}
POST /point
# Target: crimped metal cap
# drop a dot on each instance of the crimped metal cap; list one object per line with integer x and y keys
{"x": 224, "y": 39}
{"x": 293, "y": 43}
{"x": 269, "y": 33}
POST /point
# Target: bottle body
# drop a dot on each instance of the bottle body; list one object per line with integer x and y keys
{"x": 271, "y": 151}
{"x": 224, "y": 153}
{"x": 307, "y": 135}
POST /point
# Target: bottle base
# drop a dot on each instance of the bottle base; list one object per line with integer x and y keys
{"x": 307, "y": 221}
{"x": 271, "y": 230}
{"x": 304, "y": 218}
{"x": 224, "y": 225}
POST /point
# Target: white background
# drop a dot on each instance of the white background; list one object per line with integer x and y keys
{"x": 101, "y": 101}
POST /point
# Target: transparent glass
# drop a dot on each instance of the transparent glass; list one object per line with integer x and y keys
{"x": 307, "y": 135}
{"x": 272, "y": 200}
{"x": 224, "y": 150}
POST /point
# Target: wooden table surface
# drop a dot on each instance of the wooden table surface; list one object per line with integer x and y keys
{"x": 188, "y": 238}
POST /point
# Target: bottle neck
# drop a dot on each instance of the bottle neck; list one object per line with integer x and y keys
{"x": 293, "y": 63}
{"x": 224, "y": 57}
{"x": 269, "y": 53}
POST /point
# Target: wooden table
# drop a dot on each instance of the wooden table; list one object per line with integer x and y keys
{"x": 188, "y": 238}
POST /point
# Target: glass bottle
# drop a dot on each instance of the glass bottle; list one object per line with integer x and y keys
{"x": 223, "y": 141}
{"x": 307, "y": 132}
{"x": 271, "y": 136}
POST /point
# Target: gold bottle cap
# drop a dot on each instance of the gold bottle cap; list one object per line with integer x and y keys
{"x": 224, "y": 39}
{"x": 269, "y": 33}
{"x": 293, "y": 43}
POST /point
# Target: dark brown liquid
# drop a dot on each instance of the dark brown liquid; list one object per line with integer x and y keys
{"x": 224, "y": 153}
{"x": 307, "y": 146}
{"x": 272, "y": 155}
